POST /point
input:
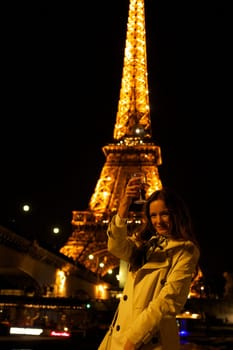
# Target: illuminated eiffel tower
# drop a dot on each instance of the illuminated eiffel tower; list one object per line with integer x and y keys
{"x": 132, "y": 149}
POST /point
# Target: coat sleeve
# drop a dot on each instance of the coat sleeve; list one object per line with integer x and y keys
{"x": 171, "y": 298}
{"x": 118, "y": 243}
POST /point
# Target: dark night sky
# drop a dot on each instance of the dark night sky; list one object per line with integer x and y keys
{"x": 61, "y": 75}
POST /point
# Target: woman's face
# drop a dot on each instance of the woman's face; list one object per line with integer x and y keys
{"x": 160, "y": 217}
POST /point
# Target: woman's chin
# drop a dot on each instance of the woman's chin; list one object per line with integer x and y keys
{"x": 163, "y": 232}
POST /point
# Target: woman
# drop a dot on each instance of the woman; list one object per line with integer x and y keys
{"x": 162, "y": 259}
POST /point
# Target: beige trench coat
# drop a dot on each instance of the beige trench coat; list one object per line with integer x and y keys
{"x": 153, "y": 295}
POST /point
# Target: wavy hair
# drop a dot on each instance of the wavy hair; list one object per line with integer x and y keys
{"x": 181, "y": 223}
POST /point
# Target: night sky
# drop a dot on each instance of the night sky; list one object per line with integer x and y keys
{"x": 61, "y": 75}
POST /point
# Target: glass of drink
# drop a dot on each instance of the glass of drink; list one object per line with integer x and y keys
{"x": 141, "y": 176}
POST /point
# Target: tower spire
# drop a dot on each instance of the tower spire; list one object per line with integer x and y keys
{"x": 133, "y": 115}
{"x": 131, "y": 150}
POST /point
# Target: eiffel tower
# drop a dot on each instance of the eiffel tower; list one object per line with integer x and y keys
{"x": 131, "y": 150}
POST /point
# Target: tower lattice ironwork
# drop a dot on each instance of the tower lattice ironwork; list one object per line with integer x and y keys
{"x": 132, "y": 150}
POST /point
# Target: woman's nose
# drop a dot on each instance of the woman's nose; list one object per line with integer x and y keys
{"x": 158, "y": 218}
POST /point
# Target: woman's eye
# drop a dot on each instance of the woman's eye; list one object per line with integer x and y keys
{"x": 162, "y": 214}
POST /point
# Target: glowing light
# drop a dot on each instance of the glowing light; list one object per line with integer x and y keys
{"x": 60, "y": 282}
{"x": 188, "y": 314}
{"x": 26, "y": 208}
{"x": 25, "y": 331}
{"x": 56, "y": 230}
{"x": 59, "y": 334}
{"x": 100, "y": 291}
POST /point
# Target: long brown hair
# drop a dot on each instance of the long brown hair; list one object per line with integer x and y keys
{"x": 182, "y": 226}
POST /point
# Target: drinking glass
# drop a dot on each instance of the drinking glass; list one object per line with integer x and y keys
{"x": 142, "y": 178}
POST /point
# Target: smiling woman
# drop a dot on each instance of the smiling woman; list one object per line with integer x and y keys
{"x": 45, "y": 46}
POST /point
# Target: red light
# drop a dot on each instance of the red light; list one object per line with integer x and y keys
{"x": 59, "y": 334}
